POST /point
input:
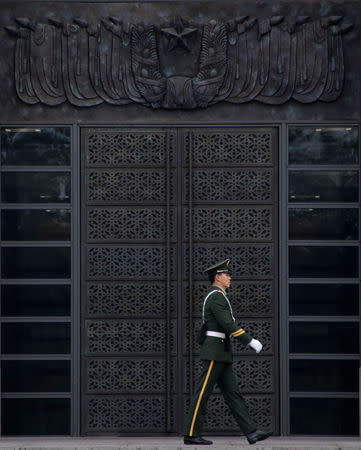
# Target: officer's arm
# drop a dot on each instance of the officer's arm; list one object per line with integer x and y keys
{"x": 220, "y": 309}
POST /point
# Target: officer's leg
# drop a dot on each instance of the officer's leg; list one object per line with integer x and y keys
{"x": 230, "y": 390}
{"x": 204, "y": 388}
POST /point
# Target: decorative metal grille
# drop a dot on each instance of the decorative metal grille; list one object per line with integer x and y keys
{"x": 231, "y": 148}
{"x": 128, "y": 300}
{"x": 127, "y": 375}
{"x": 230, "y": 224}
{"x": 145, "y": 248}
{"x": 127, "y": 262}
{"x": 232, "y": 185}
{"x": 126, "y": 414}
{"x": 106, "y": 186}
{"x": 127, "y": 224}
{"x": 126, "y": 337}
{"x": 116, "y": 148}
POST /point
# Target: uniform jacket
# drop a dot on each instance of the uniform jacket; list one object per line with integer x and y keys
{"x": 218, "y": 316}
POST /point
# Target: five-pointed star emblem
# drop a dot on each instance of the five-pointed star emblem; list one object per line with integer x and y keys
{"x": 178, "y": 34}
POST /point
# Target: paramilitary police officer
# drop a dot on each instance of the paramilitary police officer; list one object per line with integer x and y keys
{"x": 218, "y": 327}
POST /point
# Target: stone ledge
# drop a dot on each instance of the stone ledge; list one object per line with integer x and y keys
{"x": 176, "y": 443}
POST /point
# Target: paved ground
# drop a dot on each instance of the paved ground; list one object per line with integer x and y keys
{"x": 176, "y": 443}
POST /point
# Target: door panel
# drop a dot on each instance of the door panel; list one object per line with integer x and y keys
{"x": 149, "y": 230}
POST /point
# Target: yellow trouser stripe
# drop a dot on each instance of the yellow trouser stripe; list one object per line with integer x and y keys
{"x": 200, "y": 397}
{"x": 237, "y": 333}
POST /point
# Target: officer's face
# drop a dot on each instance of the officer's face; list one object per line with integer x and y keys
{"x": 224, "y": 279}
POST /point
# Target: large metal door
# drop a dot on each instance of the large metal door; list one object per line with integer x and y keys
{"x": 159, "y": 205}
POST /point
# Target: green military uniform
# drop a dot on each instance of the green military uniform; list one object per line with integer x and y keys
{"x": 216, "y": 357}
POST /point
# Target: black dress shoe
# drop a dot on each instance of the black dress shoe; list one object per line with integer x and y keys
{"x": 258, "y": 435}
{"x": 190, "y": 440}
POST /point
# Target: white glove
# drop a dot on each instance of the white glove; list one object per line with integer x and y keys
{"x": 256, "y": 345}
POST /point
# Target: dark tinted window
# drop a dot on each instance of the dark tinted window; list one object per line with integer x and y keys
{"x": 323, "y": 223}
{"x": 35, "y": 225}
{"x": 35, "y": 300}
{"x": 325, "y": 186}
{"x": 35, "y": 376}
{"x": 323, "y": 145}
{"x": 329, "y": 416}
{"x": 324, "y": 337}
{"x": 36, "y": 262}
{"x": 324, "y": 375}
{"x": 35, "y": 338}
{"x": 35, "y": 146}
{"x": 323, "y": 299}
{"x": 316, "y": 261}
{"x": 35, "y": 187}
{"x": 36, "y": 416}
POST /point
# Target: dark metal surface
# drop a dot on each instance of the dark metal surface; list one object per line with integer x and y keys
{"x": 222, "y": 64}
{"x": 140, "y": 357}
{"x": 179, "y": 64}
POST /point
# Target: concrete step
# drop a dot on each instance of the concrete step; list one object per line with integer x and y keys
{"x": 176, "y": 443}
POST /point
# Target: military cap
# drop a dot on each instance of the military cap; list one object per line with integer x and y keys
{"x": 219, "y": 267}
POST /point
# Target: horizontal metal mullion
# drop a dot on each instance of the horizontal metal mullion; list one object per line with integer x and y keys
{"x": 324, "y": 167}
{"x": 231, "y": 241}
{"x": 355, "y": 356}
{"x": 315, "y": 318}
{"x": 36, "y": 395}
{"x": 114, "y": 204}
{"x": 308, "y": 394}
{"x": 129, "y": 241}
{"x": 231, "y": 167}
{"x": 113, "y": 167}
{"x": 22, "y": 319}
{"x": 37, "y": 281}
{"x": 36, "y": 243}
{"x": 40, "y": 206}
{"x": 225, "y": 203}
{"x": 42, "y": 357}
{"x": 324, "y": 243}
{"x": 316, "y": 205}
{"x": 114, "y": 355}
{"x": 332, "y": 280}
{"x": 35, "y": 169}
{"x": 323, "y": 123}
{"x": 325, "y": 356}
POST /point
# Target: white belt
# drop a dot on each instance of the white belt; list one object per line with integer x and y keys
{"x": 216, "y": 334}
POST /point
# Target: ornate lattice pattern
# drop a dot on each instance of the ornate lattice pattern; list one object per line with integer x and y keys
{"x": 231, "y": 148}
{"x": 230, "y": 224}
{"x": 247, "y": 298}
{"x": 125, "y": 309}
{"x": 224, "y": 185}
{"x": 127, "y": 262}
{"x": 262, "y": 329}
{"x": 128, "y": 224}
{"x": 128, "y": 336}
{"x": 126, "y": 414}
{"x": 108, "y": 148}
{"x": 139, "y": 299}
{"x": 254, "y": 375}
{"x": 248, "y": 261}
{"x": 119, "y": 376}
{"x": 261, "y": 409}
{"x": 135, "y": 186}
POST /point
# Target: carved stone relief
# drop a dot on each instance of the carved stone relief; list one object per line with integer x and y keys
{"x": 179, "y": 64}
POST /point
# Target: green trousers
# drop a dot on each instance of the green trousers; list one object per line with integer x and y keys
{"x": 221, "y": 373}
